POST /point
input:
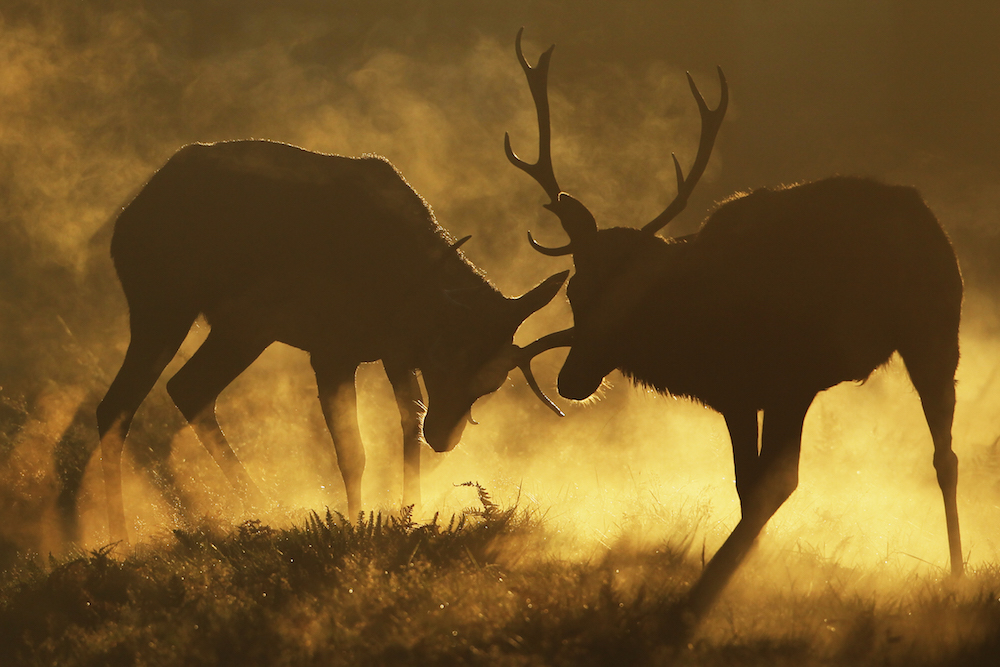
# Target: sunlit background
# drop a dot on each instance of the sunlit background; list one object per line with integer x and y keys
{"x": 95, "y": 96}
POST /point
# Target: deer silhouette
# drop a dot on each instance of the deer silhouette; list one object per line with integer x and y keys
{"x": 334, "y": 255}
{"x": 781, "y": 294}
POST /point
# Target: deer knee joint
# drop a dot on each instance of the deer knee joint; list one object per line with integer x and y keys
{"x": 351, "y": 464}
{"x": 946, "y": 465}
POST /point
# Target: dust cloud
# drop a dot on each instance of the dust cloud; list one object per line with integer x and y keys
{"x": 94, "y": 98}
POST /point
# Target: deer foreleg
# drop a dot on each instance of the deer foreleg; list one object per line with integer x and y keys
{"x": 775, "y": 479}
{"x": 939, "y": 408}
{"x": 946, "y": 465}
{"x": 933, "y": 374}
{"x": 743, "y": 435}
{"x": 409, "y": 399}
{"x": 339, "y": 400}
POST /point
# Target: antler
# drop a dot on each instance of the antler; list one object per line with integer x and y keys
{"x": 711, "y": 121}
{"x": 537, "y": 77}
{"x": 525, "y": 354}
{"x": 573, "y": 215}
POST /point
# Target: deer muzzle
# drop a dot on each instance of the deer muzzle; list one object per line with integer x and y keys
{"x": 443, "y": 435}
{"x": 577, "y": 380}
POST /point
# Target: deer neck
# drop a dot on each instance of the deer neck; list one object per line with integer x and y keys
{"x": 660, "y": 313}
{"x": 452, "y": 295}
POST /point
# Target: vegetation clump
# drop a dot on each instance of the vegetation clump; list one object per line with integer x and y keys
{"x": 386, "y": 590}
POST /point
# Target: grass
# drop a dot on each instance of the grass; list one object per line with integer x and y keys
{"x": 475, "y": 590}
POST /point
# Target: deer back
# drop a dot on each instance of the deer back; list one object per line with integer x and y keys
{"x": 781, "y": 290}
{"x": 334, "y": 255}
{"x": 318, "y": 241}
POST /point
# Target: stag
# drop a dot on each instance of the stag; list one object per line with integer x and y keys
{"x": 782, "y": 293}
{"x": 334, "y": 255}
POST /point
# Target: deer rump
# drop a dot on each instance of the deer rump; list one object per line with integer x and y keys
{"x": 289, "y": 243}
{"x": 781, "y": 292}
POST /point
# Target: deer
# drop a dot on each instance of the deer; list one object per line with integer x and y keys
{"x": 337, "y": 256}
{"x": 781, "y": 294}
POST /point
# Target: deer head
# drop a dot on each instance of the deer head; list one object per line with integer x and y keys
{"x": 473, "y": 355}
{"x": 601, "y": 256}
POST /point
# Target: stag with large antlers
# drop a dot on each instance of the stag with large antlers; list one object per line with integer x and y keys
{"x": 336, "y": 256}
{"x": 781, "y": 294}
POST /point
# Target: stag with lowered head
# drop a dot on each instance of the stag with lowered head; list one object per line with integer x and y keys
{"x": 334, "y": 255}
{"x": 781, "y": 294}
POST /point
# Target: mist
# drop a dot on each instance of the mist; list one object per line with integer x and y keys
{"x": 94, "y": 98}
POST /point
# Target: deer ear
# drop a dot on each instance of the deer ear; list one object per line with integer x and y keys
{"x": 540, "y": 295}
{"x": 576, "y": 219}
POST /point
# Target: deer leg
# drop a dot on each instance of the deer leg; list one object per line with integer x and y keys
{"x": 339, "y": 400}
{"x": 70, "y": 459}
{"x": 410, "y": 401}
{"x": 152, "y": 346}
{"x": 775, "y": 479}
{"x": 742, "y": 427}
{"x": 937, "y": 397}
{"x": 151, "y": 444}
{"x": 194, "y": 390}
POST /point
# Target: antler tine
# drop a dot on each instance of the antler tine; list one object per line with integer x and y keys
{"x": 547, "y": 342}
{"x": 711, "y": 121}
{"x": 576, "y": 220}
{"x": 525, "y": 354}
{"x": 550, "y": 252}
{"x": 537, "y": 77}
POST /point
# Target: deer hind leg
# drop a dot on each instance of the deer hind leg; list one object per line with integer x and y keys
{"x": 933, "y": 376}
{"x": 771, "y": 482}
{"x": 70, "y": 458}
{"x": 153, "y": 344}
{"x": 151, "y": 442}
{"x": 339, "y": 399}
{"x": 195, "y": 389}
{"x": 409, "y": 398}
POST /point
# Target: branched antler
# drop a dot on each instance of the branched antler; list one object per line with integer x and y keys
{"x": 537, "y": 77}
{"x": 525, "y": 354}
{"x": 573, "y": 215}
{"x": 711, "y": 121}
